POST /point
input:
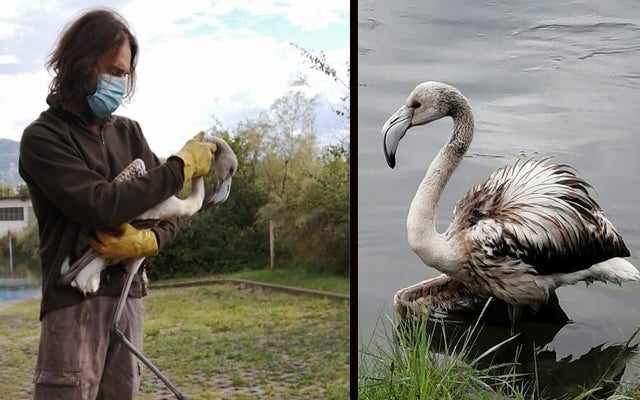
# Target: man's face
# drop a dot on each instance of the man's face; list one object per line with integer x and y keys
{"x": 117, "y": 65}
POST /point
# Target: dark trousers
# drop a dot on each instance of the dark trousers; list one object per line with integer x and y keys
{"x": 78, "y": 361}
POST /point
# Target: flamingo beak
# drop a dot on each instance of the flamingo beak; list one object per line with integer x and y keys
{"x": 222, "y": 191}
{"x": 394, "y": 130}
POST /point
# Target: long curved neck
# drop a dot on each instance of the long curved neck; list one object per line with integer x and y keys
{"x": 431, "y": 247}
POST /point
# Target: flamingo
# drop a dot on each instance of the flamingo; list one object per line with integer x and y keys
{"x": 84, "y": 273}
{"x": 529, "y": 229}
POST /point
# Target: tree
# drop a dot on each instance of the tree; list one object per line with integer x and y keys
{"x": 28, "y": 243}
{"x": 6, "y": 190}
{"x": 221, "y": 238}
{"x": 314, "y": 220}
{"x": 282, "y": 175}
{"x": 292, "y": 138}
{"x": 319, "y": 62}
{"x": 23, "y": 191}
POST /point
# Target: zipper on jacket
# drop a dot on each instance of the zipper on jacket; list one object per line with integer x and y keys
{"x": 104, "y": 150}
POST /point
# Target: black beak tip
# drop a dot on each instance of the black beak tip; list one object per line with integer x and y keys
{"x": 389, "y": 156}
{"x": 207, "y": 204}
{"x": 391, "y": 160}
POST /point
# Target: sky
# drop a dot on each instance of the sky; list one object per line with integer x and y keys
{"x": 199, "y": 61}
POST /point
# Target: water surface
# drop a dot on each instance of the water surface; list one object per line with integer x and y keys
{"x": 9, "y": 296}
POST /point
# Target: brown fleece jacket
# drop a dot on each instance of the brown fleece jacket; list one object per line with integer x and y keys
{"x": 69, "y": 172}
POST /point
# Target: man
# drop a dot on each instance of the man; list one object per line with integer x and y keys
{"x": 68, "y": 158}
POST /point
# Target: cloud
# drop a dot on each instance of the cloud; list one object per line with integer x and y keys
{"x": 198, "y": 62}
{"x": 7, "y": 29}
{"x": 183, "y": 83}
{"x": 198, "y": 59}
{"x": 9, "y": 59}
{"x": 170, "y": 20}
{"x": 318, "y": 14}
{"x": 16, "y": 109}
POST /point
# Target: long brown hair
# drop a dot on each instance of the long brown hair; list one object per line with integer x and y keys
{"x": 81, "y": 44}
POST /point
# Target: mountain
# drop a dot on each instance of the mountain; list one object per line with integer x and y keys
{"x": 9, "y": 152}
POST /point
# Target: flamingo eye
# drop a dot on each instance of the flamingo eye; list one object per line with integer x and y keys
{"x": 415, "y": 104}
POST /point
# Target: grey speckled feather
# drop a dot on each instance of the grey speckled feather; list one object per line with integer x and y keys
{"x": 538, "y": 213}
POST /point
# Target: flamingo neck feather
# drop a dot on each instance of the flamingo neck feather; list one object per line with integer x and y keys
{"x": 433, "y": 248}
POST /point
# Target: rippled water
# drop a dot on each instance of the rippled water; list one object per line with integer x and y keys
{"x": 11, "y": 295}
{"x": 554, "y": 79}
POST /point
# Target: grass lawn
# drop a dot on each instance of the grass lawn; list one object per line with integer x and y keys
{"x": 215, "y": 342}
{"x": 288, "y": 277}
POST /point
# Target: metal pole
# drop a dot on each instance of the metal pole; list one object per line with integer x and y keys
{"x": 271, "y": 240}
{"x": 10, "y": 254}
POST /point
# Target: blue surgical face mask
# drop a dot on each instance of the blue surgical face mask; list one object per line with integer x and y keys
{"x": 108, "y": 95}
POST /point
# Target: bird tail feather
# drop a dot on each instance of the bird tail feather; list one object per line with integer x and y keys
{"x": 616, "y": 270}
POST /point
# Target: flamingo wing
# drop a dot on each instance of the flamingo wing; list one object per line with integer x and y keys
{"x": 538, "y": 214}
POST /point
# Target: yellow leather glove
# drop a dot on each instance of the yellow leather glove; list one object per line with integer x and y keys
{"x": 196, "y": 156}
{"x": 127, "y": 242}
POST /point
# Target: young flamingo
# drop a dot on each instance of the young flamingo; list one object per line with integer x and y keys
{"x": 529, "y": 229}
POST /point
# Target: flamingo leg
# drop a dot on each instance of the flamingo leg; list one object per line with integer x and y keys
{"x": 515, "y": 317}
{"x": 132, "y": 267}
{"x": 75, "y": 268}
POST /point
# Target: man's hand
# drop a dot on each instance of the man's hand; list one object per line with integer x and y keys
{"x": 126, "y": 242}
{"x": 196, "y": 156}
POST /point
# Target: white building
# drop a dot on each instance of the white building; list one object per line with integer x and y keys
{"x": 15, "y": 214}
